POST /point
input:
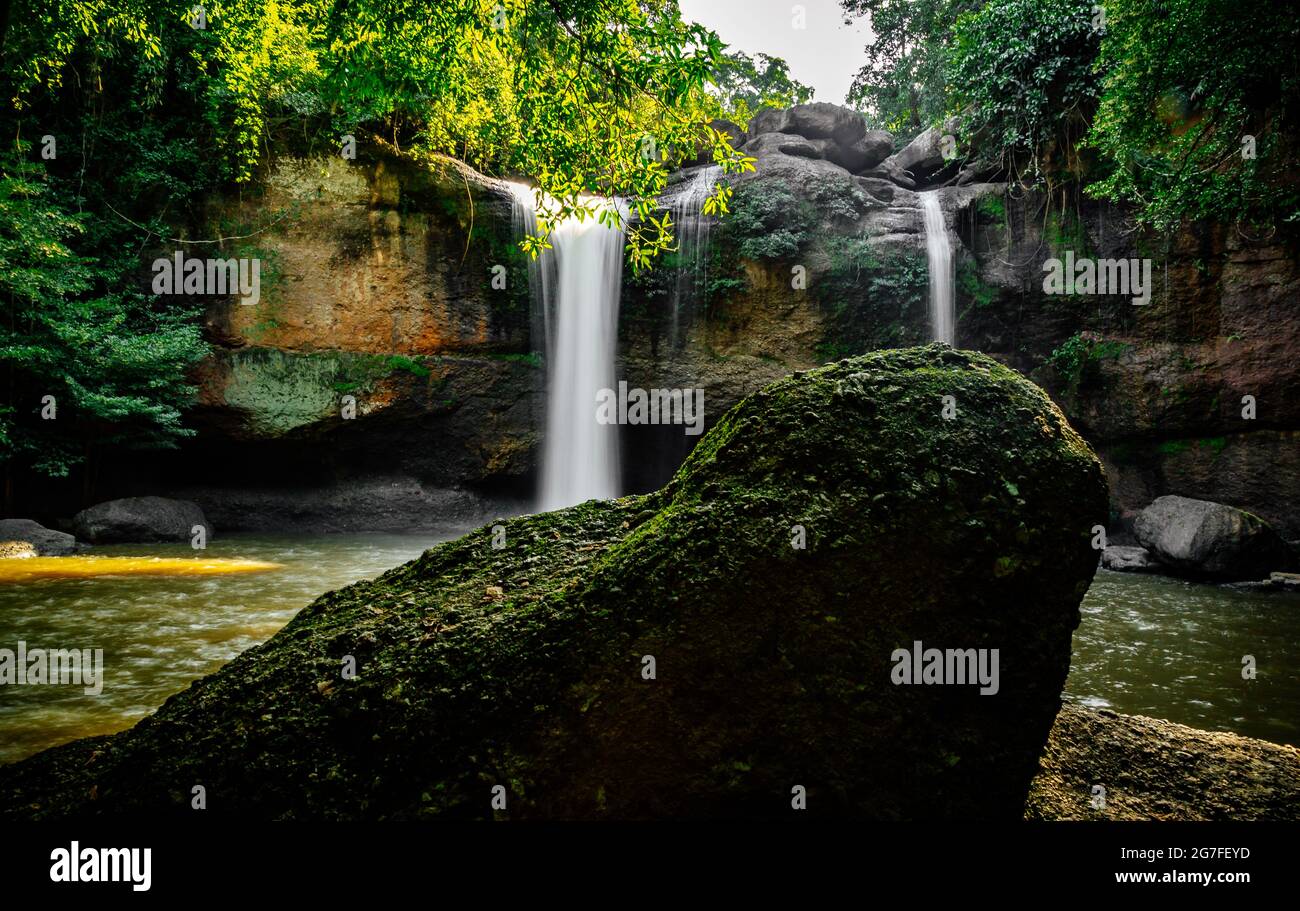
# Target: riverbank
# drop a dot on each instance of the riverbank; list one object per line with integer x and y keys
{"x": 1157, "y": 770}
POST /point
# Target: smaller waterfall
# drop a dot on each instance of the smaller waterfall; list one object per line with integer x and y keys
{"x": 943, "y": 317}
{"x": 691, "y": 226}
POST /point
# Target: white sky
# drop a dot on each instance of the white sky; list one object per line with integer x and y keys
{"x": 825, "y": 54}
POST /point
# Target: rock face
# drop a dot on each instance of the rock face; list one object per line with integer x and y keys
{"x": 46, "y": 541}
{"x": 674, "y": 654}
{"x": 133, "y": 519}
{"x": 1211, "y": 540}
{"x": 1158, "y": 770}
{"x": 1159, "y": 389}
{"x": 921, "y": 161}
{"x": 825, "y": 131}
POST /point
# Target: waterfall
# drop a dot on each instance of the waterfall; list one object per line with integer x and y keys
{"x": 943, "y": 319}
{"x": 576, "y": 284}
{"x": 691, "y": 227}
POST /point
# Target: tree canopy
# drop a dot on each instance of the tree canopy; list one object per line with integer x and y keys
{"x": 1185, "y": 109}
{"x": 129, "y": 114}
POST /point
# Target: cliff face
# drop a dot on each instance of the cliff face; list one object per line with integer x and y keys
{"x": 1193, "y": 393}
{"x": 379, "y": 284}
{"x": 387, "y": 366}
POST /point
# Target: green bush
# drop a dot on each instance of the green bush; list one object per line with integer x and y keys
{"x": 768, "y": 221}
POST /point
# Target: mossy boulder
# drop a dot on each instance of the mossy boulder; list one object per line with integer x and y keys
{"x": 524, "y": 666}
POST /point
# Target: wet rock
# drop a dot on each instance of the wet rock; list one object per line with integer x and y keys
{"x": 1124, "y": 559}
{"x": 772, "y": 664}
{"x": 16, "y": 550}
{"x": 1276, "y": 582}
{"x": 140, "y": 519}
{"x": 45, "y": 541}
{"x": 1210, "y": 540}
{"x": 1288, "y": 581}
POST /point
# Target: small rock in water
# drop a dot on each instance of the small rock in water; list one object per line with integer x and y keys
{"x": 16, "y": 550}
{"x": 1123, "y": 559}
{"x": 1289, "y": 581}
{"x": 45, "y": 541}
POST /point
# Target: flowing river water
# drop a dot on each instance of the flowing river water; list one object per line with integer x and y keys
{"x": 1147, "y": 645}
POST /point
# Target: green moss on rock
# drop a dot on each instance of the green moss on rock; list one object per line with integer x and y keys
{"x": 522, "y": 666}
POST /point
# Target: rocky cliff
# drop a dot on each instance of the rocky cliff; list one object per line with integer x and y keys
{"x": 398, "y": 283}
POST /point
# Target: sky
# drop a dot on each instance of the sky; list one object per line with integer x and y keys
{"x": 824, "y": 54}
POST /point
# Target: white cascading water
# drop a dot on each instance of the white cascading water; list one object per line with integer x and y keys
{"x": 943, "y": 317}
{"x": 691, "y": 226}
{"x": 577, "y": 283}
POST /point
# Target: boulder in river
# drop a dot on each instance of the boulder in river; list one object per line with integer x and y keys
{"x": 45, "y": 541}
{"x": 728, "y": 646}
{"x": 1210, "y": 540}
{"x": 140, "y": 519}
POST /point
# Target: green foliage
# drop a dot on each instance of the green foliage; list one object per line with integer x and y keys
{"x": 362, "y": 371}
{"x": 768, "y": 221}
{"x": 1186, "y": 82}
{"x": 874, "y": 300}
{"x": 531, "y": 359}
{"x": 1023, "y": 71}
{"x": 1215, "y": 445}
{"x": 1149, "y": 102}
{"x": 1078, "y": 355}
{"x": 743, "y": 84}
{"x": 1064, "y": 231}
{"x": 903, "y": 83}
{"x": 973, "y": 288}
{"x": 993, "y": 208}
{"x": 113, "y": 362}
{"x": 612, "y": 92}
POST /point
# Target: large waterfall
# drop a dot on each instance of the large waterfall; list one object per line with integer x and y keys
{"x": 943, "y": 319}
{"x": 577, "y": 285}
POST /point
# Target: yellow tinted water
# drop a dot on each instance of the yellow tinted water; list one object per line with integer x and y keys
{"x": 175, "y": 616}
{"x": 32, "y": 568}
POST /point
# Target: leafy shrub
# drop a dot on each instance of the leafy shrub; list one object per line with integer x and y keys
{"x": 768, "y": 221}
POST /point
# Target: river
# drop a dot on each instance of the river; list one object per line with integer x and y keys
{"x": 1147, "y": 645}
